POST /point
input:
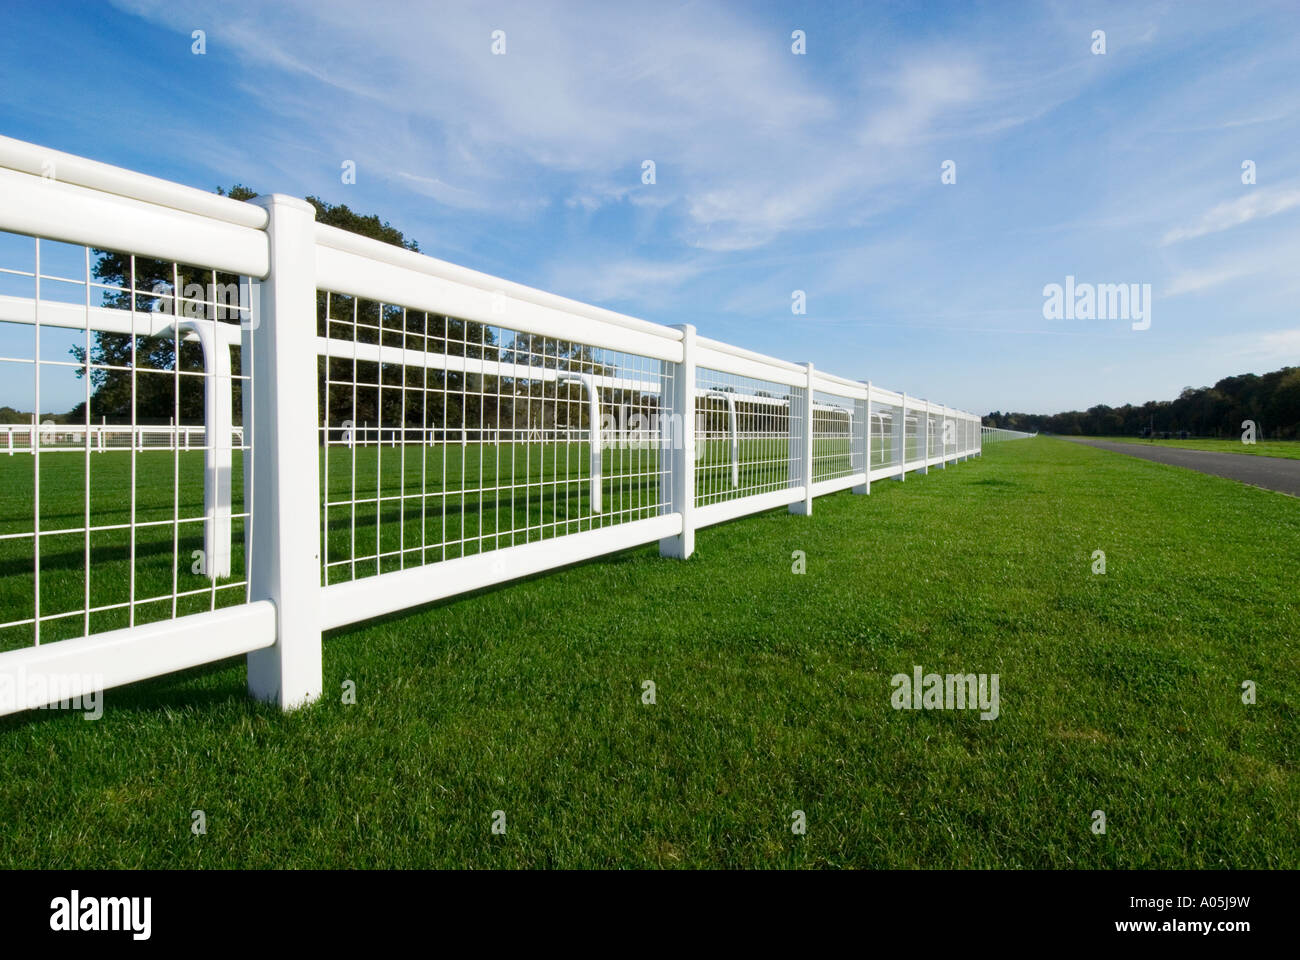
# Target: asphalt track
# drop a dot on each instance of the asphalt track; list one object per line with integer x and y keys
{"x": 1271, "y": 473}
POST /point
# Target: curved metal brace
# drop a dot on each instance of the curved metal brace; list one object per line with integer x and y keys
{"x": 218, "y": 402}
{"x": 731, "y": 427}
{"x": 593, "y": 414}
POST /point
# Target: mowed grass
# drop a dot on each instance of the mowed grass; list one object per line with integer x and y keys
{"x": 1119, "y": 692}
{"x": 1287, "y": 449}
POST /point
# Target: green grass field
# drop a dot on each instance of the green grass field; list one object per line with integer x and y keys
{"x": 1288, "y": 449}
{"x": 1119, "y": 693}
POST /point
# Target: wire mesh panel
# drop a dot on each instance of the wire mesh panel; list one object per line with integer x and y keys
{"x": 833, "y": 434}
{"x": 885, "y": 448}
{"x": 107, "y": 527}
{"x": 912, "y": 442}
{"x": 443, "y": 438}
{"x": 742, "y": 435}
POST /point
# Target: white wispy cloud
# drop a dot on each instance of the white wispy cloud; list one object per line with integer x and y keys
{"x": 1269, "y": 349}
{"x": 1206, "y": 278}
{"x": 622, "y": 281}
{"x": 749, "y": 143}
{"x": 1256, "y": 204}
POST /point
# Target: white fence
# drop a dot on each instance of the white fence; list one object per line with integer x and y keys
{"x": 998, "y": 434}
{"x": 101, "y": 438}
{"x": 408, "y": 430}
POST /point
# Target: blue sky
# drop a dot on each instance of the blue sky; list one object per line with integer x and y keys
{"x": 774, "y": 172}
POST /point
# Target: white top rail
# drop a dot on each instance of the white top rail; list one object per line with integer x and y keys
{"x": 63, "y": 167}
{"x": 351, "y": 264}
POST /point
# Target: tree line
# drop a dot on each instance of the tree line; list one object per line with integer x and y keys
{"x": 1270, "y": 400}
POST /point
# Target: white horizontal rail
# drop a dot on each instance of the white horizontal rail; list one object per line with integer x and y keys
{"x": 881, "y": 395}
{"x": 753, "y": 366}
{"x": 40, "y": 207}
{"x": 74, "y": 316}
{"x": 136, "y": 653}
{"x": 839, "y": 386}
{"x": 71, "y": 437}
{"x": 883, "y": 472}
{"x": 740, "y": 353}
{"x": 105, "y": 178}
{"x": 822, "y": 487}
{"x": 349, "y": 264}
{"x": 338, "y": 349}
{"x": 357, "y": 600}
{"x": 743, "y": 506}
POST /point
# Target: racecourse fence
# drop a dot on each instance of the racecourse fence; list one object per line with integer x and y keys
{"x": 999, "y": 434}
{"x": 50, "y": 437}
{"x": 362, "y": 429}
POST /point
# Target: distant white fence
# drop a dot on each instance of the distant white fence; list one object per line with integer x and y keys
{"x": 998, "y": 434}
{"x": 410, "y": 430}
{"x": 100, "y": 438}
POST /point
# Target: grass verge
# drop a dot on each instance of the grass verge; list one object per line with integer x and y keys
{"x": 1286, "y": 449}
{"x": 1119, "y": 692}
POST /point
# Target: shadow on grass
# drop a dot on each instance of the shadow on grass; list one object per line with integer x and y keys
{"x": 152, "y": 697}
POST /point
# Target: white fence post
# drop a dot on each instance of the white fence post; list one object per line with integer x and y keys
{"x": 900, "y": 437}
{"x": 947, "y": 428}
{"x": 801, "y": 439}
{"x": 285, "y": 559}
{"x": 864, "y": 444}
{"x": 677, "y": 450}
{"x": 924, "y": 438}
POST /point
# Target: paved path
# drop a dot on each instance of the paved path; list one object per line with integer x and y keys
{"x": 1271, "y": 473}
